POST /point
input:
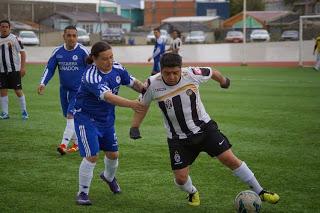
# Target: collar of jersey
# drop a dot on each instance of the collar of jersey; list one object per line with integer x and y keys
{"x": 104, "y": 73}
{"x": 6, "y": 36}
{"x": 64, "y": 45}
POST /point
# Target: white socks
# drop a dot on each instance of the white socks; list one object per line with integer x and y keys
{"x": 110, "y": 168}
{"x": 4, "y": 104}
{"x": 187, "y": 187}
{"x": 74, "y": 138}
{"x": 68, "y": 132}
{"x": 85, "y": 175}
{"x": 247, "y": 176}
{"x": 23, "y": 103}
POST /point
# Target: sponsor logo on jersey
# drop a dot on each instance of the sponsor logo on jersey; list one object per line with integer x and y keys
{"x": 168, "y": 103}
{"x": 177, "y": 158}
{"x": 118, "y": 79}
{"x": 197, "y": 71}
{"x": 160, "y": 89}
{"x": 189, "y": 92}
{"x": 74, "y": 57}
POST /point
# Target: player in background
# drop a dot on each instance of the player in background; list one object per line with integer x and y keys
{"x": 317, "y": 49}
{"x": 176, "y": 42}
{"x": 12, "y": 69}
{"x": 70, "y": 58}
{"x": 190, "y": 130}
{"x": 95, "y": 116}
{"x": 158, "y": 50}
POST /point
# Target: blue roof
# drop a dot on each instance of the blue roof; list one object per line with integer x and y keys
{"x": 128, "y": 4}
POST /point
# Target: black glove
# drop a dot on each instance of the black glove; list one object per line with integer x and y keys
{"x": 134, "y": 133}
{"x": 226, "y": 84}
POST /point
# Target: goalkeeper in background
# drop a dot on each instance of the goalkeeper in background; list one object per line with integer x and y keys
{"x": 317, "y": 49}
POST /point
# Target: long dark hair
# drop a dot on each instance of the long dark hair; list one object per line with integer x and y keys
{"x": 96, "y": 49}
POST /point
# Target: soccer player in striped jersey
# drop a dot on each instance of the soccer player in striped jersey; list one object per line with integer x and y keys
{"x": 95, "y": 116}
{"x": 70, "y": 58}
{"x": 176, "y": 43}
{"x": 158, "y": 50}
{"x": 12, "y": 69}
{"x": 316, "y": 49}
{"x": 190, "y": 130}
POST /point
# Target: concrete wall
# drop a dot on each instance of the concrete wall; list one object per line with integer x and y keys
{"x": 204, "y": 53}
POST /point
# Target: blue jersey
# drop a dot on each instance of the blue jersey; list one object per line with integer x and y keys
{"x": 159, "y": 49}
{"x": 94, "y": 84}
{"x": 71, "y": 65}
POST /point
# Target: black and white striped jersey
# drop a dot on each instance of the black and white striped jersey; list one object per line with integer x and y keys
{"x": 181, "y": 106}
{"x": 10, "y": 48}
{"x": 176, "y": 44}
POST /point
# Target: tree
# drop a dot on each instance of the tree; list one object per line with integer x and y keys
{"x": 236, "y": 6}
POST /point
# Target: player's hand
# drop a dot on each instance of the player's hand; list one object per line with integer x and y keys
{"x": 149, "y": 59}
{"x": 22, "y": 72}
{"x": 41, "y": 88}
{"x": 134, "y": 133}
{"x": 226, "y": 84}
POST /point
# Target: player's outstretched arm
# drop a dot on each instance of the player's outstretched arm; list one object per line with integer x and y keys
{"x": 223, "y": 81}
{"x": 138, "y": 86}
{"x": 123, "y": 102}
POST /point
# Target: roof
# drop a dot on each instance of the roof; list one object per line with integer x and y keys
{"x": 104, "y": 2}
{"x": 263, "y": 17}
{"x": 130, "y": 4}
{"x": 190, "y": 19}
{"x": 93, "y": 17}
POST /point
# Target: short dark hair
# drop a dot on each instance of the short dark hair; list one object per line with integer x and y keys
{"x": 5, "y": 21}
{"x": 156, "y": 29}
{"x": 97, "y": 48}
{"x": 170, "y": 60}
{"x": 70, "y": 27}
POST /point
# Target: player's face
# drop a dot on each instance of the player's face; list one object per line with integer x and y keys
{"x": 171, "y": 75}
{"x": 70, "y": 38}
{"x": 4, "y": 29}
{"x": 156, "y": 33}
{"x": 104, "y": 61}
{"x": 174, "y": 34}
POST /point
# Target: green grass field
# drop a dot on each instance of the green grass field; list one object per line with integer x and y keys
{"x": 271, "y": 116}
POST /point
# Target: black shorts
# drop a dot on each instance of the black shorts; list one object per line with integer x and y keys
{"x": 10, "y": 80}
{"x": 183, "y": 152}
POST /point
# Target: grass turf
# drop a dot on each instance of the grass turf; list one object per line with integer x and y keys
{"x": 271, "y": 116}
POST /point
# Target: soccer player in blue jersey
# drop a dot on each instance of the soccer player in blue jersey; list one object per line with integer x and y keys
{"x": 95, "y": 116}
{"x": 159, "y": 49}
{"x": 70, "y": 58}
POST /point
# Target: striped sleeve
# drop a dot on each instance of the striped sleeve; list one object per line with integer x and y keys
{"x": 94, "y": 83}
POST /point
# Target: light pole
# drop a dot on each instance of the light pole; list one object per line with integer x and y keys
{"x": 244, "y": 62}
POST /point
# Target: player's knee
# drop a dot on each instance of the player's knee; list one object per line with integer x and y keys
{"x": 112, "y": 155}
{"x": 92, "y": 159}
{"x": 181, "y": 179}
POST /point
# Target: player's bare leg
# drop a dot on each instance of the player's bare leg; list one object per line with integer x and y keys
{"x": 184, "y": 182}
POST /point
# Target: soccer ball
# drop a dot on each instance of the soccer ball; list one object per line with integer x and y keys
{"x": 247, "y": 202}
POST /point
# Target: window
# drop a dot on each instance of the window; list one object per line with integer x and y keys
{"x": 211, "y": 12}
{"x": 113, "y": 25}
{"x": 317, "y": 8}
{"x": 88, "y": 27}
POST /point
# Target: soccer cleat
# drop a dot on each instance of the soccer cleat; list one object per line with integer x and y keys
{"x": 194, "y": 199}
{"x": 73, "y": 148}
{"x": 269, "y": 197}
{"x": 113, "y": 185}
{"x": 4, "y": 115}
{"x": 25, "y": 115}
{"x": 62, "y": 149}
{"x": 83, "y": 199}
